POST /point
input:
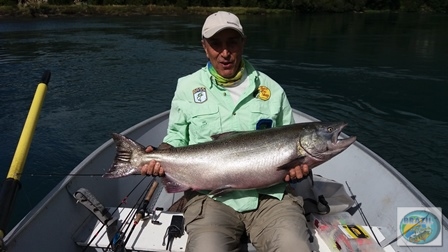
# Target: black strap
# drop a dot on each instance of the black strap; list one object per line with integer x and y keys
{"x": 174, "y": 230}
{"x": 312, "y": 206}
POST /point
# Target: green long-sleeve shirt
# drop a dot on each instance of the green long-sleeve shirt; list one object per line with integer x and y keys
{"x": 200, "y": 109}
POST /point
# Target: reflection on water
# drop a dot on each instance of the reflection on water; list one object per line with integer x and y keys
{"x": 383, "y": 73}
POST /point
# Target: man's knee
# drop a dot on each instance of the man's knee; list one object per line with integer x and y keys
{"x": 283, "y": 239}
{"x": 206, "y": 241}
{"x": 283, "y": 228}
{"x": 212, "y": 226}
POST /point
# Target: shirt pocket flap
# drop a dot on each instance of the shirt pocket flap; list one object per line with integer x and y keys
{"x": 205, "y": 122}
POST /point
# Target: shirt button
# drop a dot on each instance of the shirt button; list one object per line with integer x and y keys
{"x": 234, "y": 113}
{"x": 225, "y": 94}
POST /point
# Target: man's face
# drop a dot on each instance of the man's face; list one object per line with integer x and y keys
{"x": 225, "y": 50}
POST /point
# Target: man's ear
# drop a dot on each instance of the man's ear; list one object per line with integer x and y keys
{"x": 204, "y": 46}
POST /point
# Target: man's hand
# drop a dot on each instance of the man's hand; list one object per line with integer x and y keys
{"x": 297, "y": 173}
{"x": 152, "y": 168}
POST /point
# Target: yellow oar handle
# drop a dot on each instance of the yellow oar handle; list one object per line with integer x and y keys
{"x": 18, "y": 161}
{"x": 11, "y": 185}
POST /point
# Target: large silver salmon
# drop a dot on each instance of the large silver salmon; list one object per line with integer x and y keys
{"x": 235, "y": 160}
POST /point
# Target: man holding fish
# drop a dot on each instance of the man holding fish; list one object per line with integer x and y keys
{"x": 229, "y": 95}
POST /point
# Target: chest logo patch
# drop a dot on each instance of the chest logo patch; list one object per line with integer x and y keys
{"x": 200, "y": 95}
{"x": 264, "y": 93}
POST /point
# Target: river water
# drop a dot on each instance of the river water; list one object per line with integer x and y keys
{"x": 385, "y": 74}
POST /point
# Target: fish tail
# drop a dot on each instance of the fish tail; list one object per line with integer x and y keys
{"x": 127, "y": 150}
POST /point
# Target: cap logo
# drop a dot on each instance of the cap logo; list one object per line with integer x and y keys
{"x": 232, "y": 23}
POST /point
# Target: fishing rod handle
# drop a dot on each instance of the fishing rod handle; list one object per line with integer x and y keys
{"x": 148, "y": 197}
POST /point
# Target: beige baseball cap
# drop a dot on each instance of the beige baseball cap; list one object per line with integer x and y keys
{"x": 219, "y": 21}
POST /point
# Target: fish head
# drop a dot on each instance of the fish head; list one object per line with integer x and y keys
{"x": 321, "y": 141}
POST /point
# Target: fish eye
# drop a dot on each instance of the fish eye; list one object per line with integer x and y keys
{"x": 330, "y": 129}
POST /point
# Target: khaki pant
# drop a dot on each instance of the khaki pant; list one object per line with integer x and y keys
{"x": 274, "y": 226}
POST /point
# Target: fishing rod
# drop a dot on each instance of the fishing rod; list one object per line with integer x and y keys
{"x": 117, "y": 243}
{"x": 141, "y": 213}
{"x": 363, "y": 216}
{"x": 61, "y": 174}
{"x": 12, "y": 184}
{"x": 123, "y": 201}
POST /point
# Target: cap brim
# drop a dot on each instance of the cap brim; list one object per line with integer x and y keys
{"x": 210, "y": 32}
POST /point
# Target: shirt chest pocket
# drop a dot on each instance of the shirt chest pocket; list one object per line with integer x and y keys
{"x": 265, "y": 111}
{"x": 204, "y": 122}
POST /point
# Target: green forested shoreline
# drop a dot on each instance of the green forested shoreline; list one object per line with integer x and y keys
{"x": 38, "y": 8}
{"x": 45, "y": 10}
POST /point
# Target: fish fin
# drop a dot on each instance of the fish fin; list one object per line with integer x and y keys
{"x": 292, "y": 163}
{"x": 225, "y": 135}
{"x": 114, "y": 171}
{"x": 172, "y": 186}
{"x": 126, "y": 150}
{"x": 222, "y": 190}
